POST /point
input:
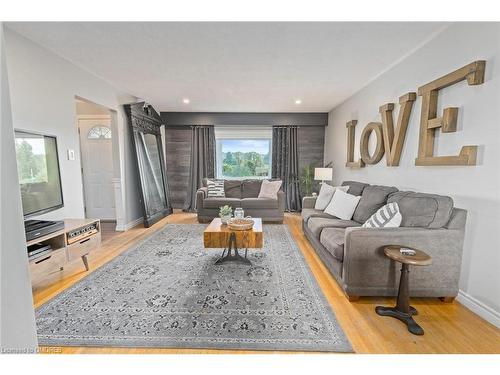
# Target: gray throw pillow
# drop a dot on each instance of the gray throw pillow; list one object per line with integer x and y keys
{"x": 215, "y": 189}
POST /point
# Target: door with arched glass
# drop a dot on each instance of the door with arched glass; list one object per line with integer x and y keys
{"x": 97, "y": 167}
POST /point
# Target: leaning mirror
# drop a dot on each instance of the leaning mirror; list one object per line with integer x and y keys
{"x": 145, "y": 126}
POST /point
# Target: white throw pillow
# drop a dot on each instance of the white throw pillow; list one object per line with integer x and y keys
{"x": 325, "y": 195}
{"x": 386, "y": 217}
{"x": 215, "y": 189}
{"x": 342, "y": 205}
{"x": 269, "y": 189}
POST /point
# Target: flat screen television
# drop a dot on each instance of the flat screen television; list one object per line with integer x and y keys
{"x": 38, "y": 170}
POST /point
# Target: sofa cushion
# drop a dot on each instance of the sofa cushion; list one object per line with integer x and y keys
{"x": 215, "y": 189}
{"x": 387, "y": 216}
{"x": 342, "y": 205}
{"x": 259, "y": 203}
{"x": 269, "y": 189}
{"x": 422, "y": 210}
{"x": 317, "y": 224}
{"x": 250, "y": 188}
{"x": 232, "y": 188}
{"x": 372, "y": 198}
{"x": 355, "y": 187}
{"x": 325, "y": 195}
{"x": 218, "y": 202}
{"x": 333, "y": 241}
{"x": 307, "y": 213}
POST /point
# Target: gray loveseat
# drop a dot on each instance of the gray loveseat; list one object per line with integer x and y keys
{"x": 241, "y": 193}
{"x": 355, "y": 257}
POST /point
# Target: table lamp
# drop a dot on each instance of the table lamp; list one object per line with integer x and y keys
{"x": 323, "y": 174}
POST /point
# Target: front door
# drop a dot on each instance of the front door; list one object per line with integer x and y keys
{"x": 97, "y": 167}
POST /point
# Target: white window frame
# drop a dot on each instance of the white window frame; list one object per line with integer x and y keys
{"x": 250, "y": 133}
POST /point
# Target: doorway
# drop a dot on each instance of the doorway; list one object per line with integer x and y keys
{"x": 96, "y": 156}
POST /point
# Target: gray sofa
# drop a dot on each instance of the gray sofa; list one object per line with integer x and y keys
{"x": 355, "y": 257}
{"x": 241, "y": 193}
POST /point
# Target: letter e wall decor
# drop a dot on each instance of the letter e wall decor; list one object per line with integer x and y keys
{"x": 430, "y": 122}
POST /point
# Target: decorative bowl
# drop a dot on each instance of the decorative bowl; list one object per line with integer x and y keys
{"x": 240, "y": 224}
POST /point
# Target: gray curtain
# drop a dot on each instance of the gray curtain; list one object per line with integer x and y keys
{"x": 202, "y": 162}
{"x": 285, "y": 164}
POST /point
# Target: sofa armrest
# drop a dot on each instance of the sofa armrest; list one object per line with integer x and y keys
{"x": 201, "y": 194}
{"x": 281, "y": 200}
{"x": 366, "y": 266}
{"x": 308, "y": 202}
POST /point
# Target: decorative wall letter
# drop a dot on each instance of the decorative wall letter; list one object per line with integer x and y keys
{"x": 429, "y": 122}
{"x": 350, "y": 146}
{"x": 394, "y": 141}
{"x": 365, "y": 137}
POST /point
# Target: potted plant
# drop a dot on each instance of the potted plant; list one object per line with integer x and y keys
{"x": 225, "y": 213}
{"x": 307, "y": 180}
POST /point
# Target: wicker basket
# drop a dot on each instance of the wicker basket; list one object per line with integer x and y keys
{"x": 240, "y": 224}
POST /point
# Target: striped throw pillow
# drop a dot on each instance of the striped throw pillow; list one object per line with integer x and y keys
{"x": 386, "y": 217}
{"x": 215, "y": 189}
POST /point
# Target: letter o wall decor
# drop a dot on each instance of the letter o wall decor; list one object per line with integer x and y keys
{"x": 365, "y": 138}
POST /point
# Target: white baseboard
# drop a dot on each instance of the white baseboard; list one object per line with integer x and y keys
{"x": 479, "y": 308}
{"x": 134, "y": 223}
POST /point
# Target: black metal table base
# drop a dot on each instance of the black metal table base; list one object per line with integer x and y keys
{"x": 236, "y": 257}
{"x": 403, "y": 311}
{"x": 413, "y": 327}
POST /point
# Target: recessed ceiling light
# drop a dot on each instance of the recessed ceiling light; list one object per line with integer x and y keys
{"x": 298, "y": 101}
{"x": 185, "y": 101}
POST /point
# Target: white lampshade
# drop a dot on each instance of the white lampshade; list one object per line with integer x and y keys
{"x": 323, "y": 174}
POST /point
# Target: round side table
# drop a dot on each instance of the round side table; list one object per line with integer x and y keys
{"x": 403, "y": 311}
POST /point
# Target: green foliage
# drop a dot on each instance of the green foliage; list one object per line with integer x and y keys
{"x": 225, "y": 211}
{"x": 31, "y": 167}
{"x": 307, "y": 180}
{"x": 241, "y": 164}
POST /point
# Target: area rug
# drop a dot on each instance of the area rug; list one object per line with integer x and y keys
{"x": 166, "y": 292}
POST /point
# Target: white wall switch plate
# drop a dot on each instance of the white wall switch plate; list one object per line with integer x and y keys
{"x": 71, "y": 154}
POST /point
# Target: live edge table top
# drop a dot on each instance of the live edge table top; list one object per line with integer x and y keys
{"x": 216, "y": 235}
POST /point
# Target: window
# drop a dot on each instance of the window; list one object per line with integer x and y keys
{"x": 243, "y": 152}
{"x": 99, "y": 132}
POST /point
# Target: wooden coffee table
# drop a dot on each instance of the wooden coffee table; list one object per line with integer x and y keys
{"x": 218, "y": 235}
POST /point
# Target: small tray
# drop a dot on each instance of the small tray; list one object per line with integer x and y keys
{"x": 240, "y": 224}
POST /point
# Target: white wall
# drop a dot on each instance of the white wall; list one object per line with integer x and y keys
{"x": 43, "y": 88}
{"x": 17, "y": 320}
{"x": 476, "y": 188}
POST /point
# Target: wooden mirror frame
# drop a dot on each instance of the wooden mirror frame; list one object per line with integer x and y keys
{"x": 143, "y": 119}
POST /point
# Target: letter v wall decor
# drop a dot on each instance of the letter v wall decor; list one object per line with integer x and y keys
{"x": 390, "y": 141}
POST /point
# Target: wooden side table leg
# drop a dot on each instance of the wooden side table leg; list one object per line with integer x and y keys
{"x": 403, "y": 311}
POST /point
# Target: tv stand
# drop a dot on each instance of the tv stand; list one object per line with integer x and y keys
{"x": 75, "y": 240}
{"x": 38, "y": 228}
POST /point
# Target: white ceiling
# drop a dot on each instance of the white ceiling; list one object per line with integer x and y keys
{"x": 234, "y": 67}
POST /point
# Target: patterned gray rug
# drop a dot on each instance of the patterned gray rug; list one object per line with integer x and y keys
{"x": 167, "y": 292}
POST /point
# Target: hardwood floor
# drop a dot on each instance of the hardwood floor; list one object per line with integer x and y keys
{"x": 449, "y": 327}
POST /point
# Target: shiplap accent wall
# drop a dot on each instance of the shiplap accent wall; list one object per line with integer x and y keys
{"x": 311, "y": 146}
{"x": 178, "y": 156}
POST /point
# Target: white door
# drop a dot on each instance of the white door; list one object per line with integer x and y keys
{"x": 97, "y": 167}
